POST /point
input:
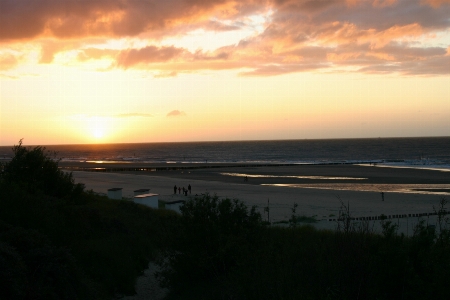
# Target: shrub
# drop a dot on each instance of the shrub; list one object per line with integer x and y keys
{"x": 215, "y": 238}
{"x": 36, "y": 171}
{"x": 32, "y": 268}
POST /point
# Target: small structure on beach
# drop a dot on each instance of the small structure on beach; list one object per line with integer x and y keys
{"x": 115, "y": 193}
{"x": 141, "y": 192}
{"x": 150, "y": 200}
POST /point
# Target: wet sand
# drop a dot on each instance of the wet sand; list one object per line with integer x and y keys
{"x": 315, "y": 193}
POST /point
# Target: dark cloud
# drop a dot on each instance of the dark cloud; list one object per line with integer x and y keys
{"x": 150, "y": 54}
{"x": 436, "y": 3}
{"x": 433, "y": 67}
{"x": 25, "y": 19}
{"x": 220, "y": 55}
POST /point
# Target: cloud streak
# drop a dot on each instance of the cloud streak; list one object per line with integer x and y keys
{"x": 134, "y": 115}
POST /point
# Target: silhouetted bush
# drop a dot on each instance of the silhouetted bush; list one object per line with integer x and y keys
{"x": 36, "y": 171}
{"x": 217, "y": 258}
{"x": 215, "y": 235}
{"x": 32, "y": 268}
{"x": 64, "y": 243}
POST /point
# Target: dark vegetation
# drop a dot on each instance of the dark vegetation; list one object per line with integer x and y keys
{"x": 224, "y": 250}
{"x": 58, "y": 241}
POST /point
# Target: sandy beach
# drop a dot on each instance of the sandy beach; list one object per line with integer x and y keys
{"x": 315, "y": 188}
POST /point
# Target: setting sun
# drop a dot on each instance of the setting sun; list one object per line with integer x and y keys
{"x": 95, "y": 128}
{"x": 98, "y": 133}
{"x": 98, "y": 127}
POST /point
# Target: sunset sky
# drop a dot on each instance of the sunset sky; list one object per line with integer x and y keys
{"x": 122, "y": 71}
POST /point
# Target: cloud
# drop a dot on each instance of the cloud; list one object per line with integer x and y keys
{"x": 436, "y": 3}
{"x": 166, "y": 74}
{"x": 25, "y": 19}
{"x": 151, "y": 57}
{"x": 383, "y": 3}
{"x": 272, "y": 70}
{"x": 95, "y": 53}
{"x": 49, "y": 48}
{"x": 134, "y": 115}
{"x": 8, "y": 61}
{"x": 150, "y": 54}
{"x": 176, "y": 113}
{"x": 109, "y": 116}
{"x": 406, "y": 36}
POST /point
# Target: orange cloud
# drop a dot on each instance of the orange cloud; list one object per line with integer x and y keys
{"x": 436, "y": 3}
{"x": 382, "y": 38}
{"x": 383, "y": 3}
{"x": 95, "y": 53}
{"x": 381, "y": 56}
{"x": 150, "y": 54}
{"x": 176, "y": 113}
{"x": 28, "y": 19}
{"x": 342, "y": 56}
{"x": 8, "y": 61}
{"x": 296, "y": 36}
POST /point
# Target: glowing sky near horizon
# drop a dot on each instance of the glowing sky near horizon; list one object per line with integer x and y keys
{"x": 120, "y": 71}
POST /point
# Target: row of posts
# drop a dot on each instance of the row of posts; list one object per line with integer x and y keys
{"x": 384, "y": 217}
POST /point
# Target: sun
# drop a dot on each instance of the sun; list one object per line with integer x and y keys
{"x": 99, "y": 127}
{"x": 98, "y": 133}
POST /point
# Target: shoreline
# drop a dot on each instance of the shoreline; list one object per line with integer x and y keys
{"x": 311, "y": 195}
{"x": 279, "y": 173}
{"x": 316, "y": 189}
{"x": 323, "y": 205}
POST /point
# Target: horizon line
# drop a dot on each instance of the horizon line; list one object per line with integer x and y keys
{"x": 235, "y": 141}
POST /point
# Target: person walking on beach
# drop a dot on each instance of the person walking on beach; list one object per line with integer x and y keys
{"x": 179, "y": 190}
{"x": 175, "y": 189}
{"x": 382, "y": 196}
{"x": 189, "y": 188}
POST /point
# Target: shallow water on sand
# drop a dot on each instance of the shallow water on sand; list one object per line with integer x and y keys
{"x": 424, "y": 189}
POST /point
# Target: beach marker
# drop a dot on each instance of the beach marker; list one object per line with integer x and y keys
{"x": 115, "y": 193}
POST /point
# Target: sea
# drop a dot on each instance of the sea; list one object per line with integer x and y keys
{"x": 415, "y": 152}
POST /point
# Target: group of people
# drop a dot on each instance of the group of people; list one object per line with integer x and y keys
{"x": 185, "y": 191}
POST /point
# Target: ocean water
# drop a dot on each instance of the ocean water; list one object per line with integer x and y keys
{"x": 429, "y": 151}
